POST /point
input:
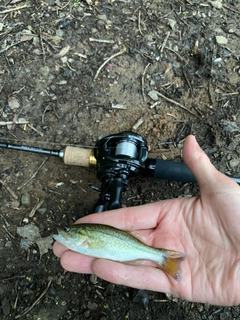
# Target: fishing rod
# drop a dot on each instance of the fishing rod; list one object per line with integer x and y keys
{"x": 117, "y": 158}
{"x": 71, "y": 155}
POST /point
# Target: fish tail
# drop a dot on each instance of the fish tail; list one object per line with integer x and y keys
{"x": 171, "y": 263}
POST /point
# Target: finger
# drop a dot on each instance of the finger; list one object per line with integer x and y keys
{"x": 76, "y": 262}
{"x": 207, "y": 175}
{"x": 141, "y": 277}
{"x": 131, "y": 218}
{"x": 59, "y": 249}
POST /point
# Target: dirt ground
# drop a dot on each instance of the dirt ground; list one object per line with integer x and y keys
{"x": 53, "y": 94}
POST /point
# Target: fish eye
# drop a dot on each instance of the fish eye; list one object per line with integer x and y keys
{"x": 66, "y": 229}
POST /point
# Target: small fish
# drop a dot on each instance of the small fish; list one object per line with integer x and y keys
{"x": 103, "y": 241}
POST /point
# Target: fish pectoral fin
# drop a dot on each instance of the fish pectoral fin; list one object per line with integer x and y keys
{"x": 171, "y": 264}
{"x": 85, "y": 243}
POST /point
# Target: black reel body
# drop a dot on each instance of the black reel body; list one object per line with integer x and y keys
{"x": 119, "y": 157}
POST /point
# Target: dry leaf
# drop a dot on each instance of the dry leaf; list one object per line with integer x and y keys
{"x": 44, "y": 244}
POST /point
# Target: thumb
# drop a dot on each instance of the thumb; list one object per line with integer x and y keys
{"x": 208, "y": 177}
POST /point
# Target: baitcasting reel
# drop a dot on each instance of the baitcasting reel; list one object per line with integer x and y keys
{"x": 119, "y": 157}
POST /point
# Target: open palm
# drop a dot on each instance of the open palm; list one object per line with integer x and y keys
{"x": 205, "y": 228}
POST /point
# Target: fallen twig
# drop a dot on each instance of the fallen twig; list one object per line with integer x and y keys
{"x": 42, "y": 45}
{"x": 35, "y": 208}
{"x": 139, "y": 22}
{"x": 105, "y": 62}
{"x": 101, "y": 40}
{"x": 33, "y": 176}
{"x": 165, "y": 41}
{"x": 10, "y": 46}
{"x": 11, "y": 278}
{"x": 155, "y": 104}
{"x": 174, "y": 102}
{"x": 14, "y": 9}
{"x": 231, "y": 9}
{"x": 175, "y": 53}
{"x": 71, "y": 68}
{"x": 36, "y": 301}
{"x": 8, "y": 232}
{"x": 7, "y": 224}
{"x": 9, "y": 189}
{"x": 61, "y": 8}
{"x": 6, "y": 123}
{"x": 138, "y": 123}
{"x": 187, "y": 80}
{"x": 143, "y": 76}
{"x": 119, "y": 106}
{"x": 34, "y": 129}
{"x": 230, "y": 93}
{"x": 81, "y": 55}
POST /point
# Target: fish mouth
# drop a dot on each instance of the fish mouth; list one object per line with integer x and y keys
{"x": 55, "y": 237}
{"x": 58, "y": 237}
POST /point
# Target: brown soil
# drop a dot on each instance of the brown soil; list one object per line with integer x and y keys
{"x": 48, "y": 61}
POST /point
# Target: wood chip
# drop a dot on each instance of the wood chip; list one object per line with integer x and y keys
{"x": 35, "y": 208}
{"x": 62, "y": 52}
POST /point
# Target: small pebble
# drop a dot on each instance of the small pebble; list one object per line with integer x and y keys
{"x": 8, "y": 244}
{"x": 217, "y": 4}
{"x": 234, "y": 163}
{"x": 25, "y": 220}
{"x": 13, "y": 103}
{"x": 44, "y": 71}
{"x": 102, "y": 17}
{"x": 172, "y": 298}
{"x": 59, "y": 33}
{"x": 230, "y": 126}
{"x": 172, "y": 23}
{"x": 153, "y": 95}
{"x": 42, "y": 210}
{"x": 92, "y": 305}
{"x": 142, "y": 298}
{"x": 26, "y": 199}
{"x": 110, "y": 288}
{"x": 6, "y": 307}
{"x": 217, "y": 60}
{"x": 24, "y": 244}
{"x": 221, "y": 40}
{"x": 200, "y": 307}
{"x": 93, "y": 279}
{"x": 87, "y": 313}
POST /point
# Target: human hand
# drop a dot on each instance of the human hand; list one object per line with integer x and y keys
{"x": 205, "y": 228}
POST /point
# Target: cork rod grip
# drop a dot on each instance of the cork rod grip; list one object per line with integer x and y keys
{"x": 79, "y": 156}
